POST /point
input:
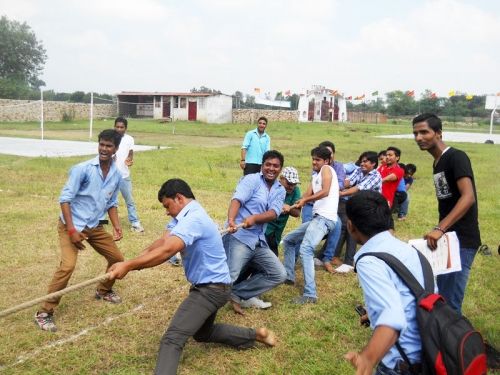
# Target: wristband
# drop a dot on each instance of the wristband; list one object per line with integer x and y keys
{"x": 437, "y": 227}
{"x": 72, "y": 231}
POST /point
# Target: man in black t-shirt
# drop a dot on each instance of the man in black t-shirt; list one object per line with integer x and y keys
{"x": 457, "y": 203}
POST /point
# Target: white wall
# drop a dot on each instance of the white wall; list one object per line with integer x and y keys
{"x": 219, "y": 109}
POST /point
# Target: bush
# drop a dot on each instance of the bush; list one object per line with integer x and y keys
{"x": 68, "y": 115}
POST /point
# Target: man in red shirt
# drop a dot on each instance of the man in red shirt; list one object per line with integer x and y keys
{"x": 391, "y": 174}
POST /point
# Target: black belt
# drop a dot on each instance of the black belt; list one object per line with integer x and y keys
{"x": 220, "y": 286}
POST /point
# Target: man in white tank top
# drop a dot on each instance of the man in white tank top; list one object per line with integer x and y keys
{"x": 324, "y": 192}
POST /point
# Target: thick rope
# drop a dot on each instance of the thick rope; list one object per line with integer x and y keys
{"x": 54, "y": 295}
{"x": 70, "y": 289}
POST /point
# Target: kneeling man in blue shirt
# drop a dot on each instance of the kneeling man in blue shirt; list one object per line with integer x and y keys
{"x": 391, "y": 305}
{"x": 194, "y": 235}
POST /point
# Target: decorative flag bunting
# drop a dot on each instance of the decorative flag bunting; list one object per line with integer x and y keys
{"x": 433, "y": 95}
{"x": 360, "y": 97}
{"x": 288, "y": 93}
{"x": 349, "y": 98}
{"x": 469, "y": 97}
{"x": 451, "y": 93}
{"x": 256, "y": 90}
{"x": 333, "y": 92}
{"x": 411, "y": 93}
{"x": 375, "y": 93}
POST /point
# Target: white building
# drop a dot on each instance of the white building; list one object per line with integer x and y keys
{"x": 321, "y": 104}
{"x": 204, "y": 107}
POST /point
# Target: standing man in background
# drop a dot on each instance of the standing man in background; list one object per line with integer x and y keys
{"x": 255, "y": 144}
{"x": 124, "y": 160}
{"x": 457, "y": 203}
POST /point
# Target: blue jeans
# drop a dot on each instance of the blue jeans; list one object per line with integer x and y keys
{"x": 403, "y": 207}
{"x": 452, "y": 285}
{"x": 126, "y": 190}
{"x": 267, "y": 270}
{"x": 302, "y": 241}
{"x": 307, "y": 213}
{"x": 332, "y": 241}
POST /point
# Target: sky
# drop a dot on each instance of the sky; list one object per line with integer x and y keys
{"x": 353, "y": 46}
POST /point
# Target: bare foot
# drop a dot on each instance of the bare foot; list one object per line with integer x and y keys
{"x": 265, "y": 336}
{"x": 328, "y": 267}
{"x": 237, "y": 308}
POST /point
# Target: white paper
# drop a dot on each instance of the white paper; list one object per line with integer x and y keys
{"x": 446, "y": 257}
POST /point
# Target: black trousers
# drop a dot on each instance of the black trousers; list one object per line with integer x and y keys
{"x": 251, "y": 168}
{"x": 195, "y": 318}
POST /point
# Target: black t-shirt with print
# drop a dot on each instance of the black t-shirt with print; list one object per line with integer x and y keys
{"x": 453, "y": 165}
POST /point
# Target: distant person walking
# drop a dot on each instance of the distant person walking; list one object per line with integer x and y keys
{"x": 457, "y": 203}
{"x": 124, "y": 160}
{"x": 255, "y": 144}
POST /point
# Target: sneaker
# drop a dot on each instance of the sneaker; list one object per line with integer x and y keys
{"x": 45, "y": 321}
{"x": 109, "y": 296}
{"x": 302, "y": 300}
{"x": 255, "y": 302}
{"x": 289, "y": 282}
{"x": 317, "y": 262}
{"x": 345, "y": 268}
{"x": 174, "y": 261}
{"x": 137, "y": 228}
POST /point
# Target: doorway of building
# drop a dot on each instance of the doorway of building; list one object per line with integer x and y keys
{"x": 192, "y": 111}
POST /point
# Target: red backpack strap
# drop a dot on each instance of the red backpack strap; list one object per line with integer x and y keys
{"x": 429, "y": 301}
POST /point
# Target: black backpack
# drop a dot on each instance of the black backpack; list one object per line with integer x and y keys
{"x": 450, "y": 344}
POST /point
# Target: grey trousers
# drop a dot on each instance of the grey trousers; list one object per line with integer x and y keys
{"x": 195, "y": 317}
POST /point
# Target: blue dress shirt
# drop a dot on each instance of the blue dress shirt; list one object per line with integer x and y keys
{"x": 256, "y": 145}
{"x": 204, "y": 257}
{"x": 89, "y": 194}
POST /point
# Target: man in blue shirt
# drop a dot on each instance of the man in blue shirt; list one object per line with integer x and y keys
{"x": 391, "y": 305}
{"x": 258, "y": 199}
{"x": 194, "y": 235}
{"x": 255, "y": 144}
{"x": 91, "y": 190}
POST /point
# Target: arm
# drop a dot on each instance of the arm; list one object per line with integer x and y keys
{"x": 326, "y": 176}
{"x": 129, "y": 161}
{"x": 152, "y": 256}
{"x": 390, "y": 177}
{"x": 234, "y": 207}
{"x": 464, "y": 203}
{"x": 349, "y": 191}
{"x": 75, "y": 236}
{"x": 291, "y": 210}
{"x": 242, "y": 159}
{"x": 383, "y": 338}
{"x": 115, "y": 221}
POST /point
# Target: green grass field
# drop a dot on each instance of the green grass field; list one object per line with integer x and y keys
{"x": 123, "y": 339}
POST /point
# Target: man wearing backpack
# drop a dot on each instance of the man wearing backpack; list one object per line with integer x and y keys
{"x": 391, "y": 305}
{"x": 457, "y": 203}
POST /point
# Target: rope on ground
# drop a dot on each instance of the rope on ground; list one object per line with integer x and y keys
{"x": 57, "y": 294}
{"x": 72, "y": 288}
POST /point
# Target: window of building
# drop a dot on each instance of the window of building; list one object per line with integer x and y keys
{"x": 183, "y": 103}
{"x": 176, "y": 102}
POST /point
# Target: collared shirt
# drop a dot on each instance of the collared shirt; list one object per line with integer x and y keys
{"x": 126, "y": 144}
{"x": 204, "y": 257}
{"x": 388, "y": 300}
{"x": 255, "y": 197}
{"x": 370, "y": 181}
{"x": 89, "y": 194}
{"x": 256, "y": 145}
{"x": 389, "y": 187}
{"x": 338, "y": 167}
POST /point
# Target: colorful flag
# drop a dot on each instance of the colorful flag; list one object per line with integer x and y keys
{"x": 288, "y": 93}
{"x": 433, "y": 95}
{"x": 256, "y": 90}
{"x": 451, "y": 93}
{"x": 469, "y": 97}
{"x": 349, "y": 98}
{"x": 361, "y": 97}
{"x": 375, "y": 93}
{"x": 411, "y": 93}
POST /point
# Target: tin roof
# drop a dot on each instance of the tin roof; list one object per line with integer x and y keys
{"x": 161, "y": 93}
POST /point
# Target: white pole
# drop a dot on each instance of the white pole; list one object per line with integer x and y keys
{"x": 497, "y": 104}
{"x": 41, "y": 110}
{"x": 91, "y": 114}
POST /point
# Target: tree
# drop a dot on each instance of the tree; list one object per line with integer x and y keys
{"x": 399, "y": 103}
{"x": 22, "y": 58}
